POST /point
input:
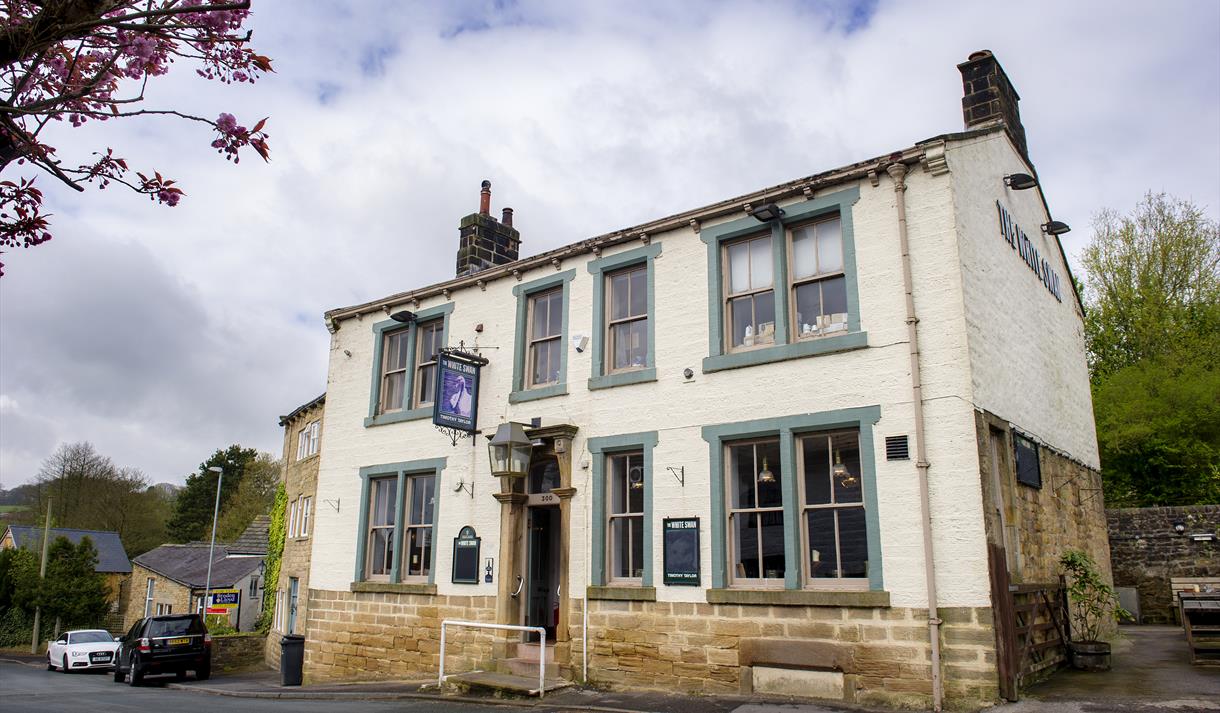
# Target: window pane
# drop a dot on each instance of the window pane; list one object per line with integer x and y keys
{"x": 847, "y": 486}
{"x": 760, "y": 263}
{"x": 620, "y": 547}
{"x": 630, "y": 344}
{"x": 741, "y": 466}
{"x": 770, "y": 495}
{"x": 834, "y": 300}
{"x": 639, "y": 291}
{"x": 823, "y": 561}
{"x": 635, "y": 483}
{"x": 620, "y": 298}
{"x": 741, "y": 318}
{"x": 808, "y": 308}
{"x": 830, "y": 246}
{"x": 773, "y": 544}
{"x": 391, "y": 391}
{"x": 804, "y": 253}
{"x": 427, "y": 385}
{"x": 764, "y": 314}
{"x": 554, "y": 313}
{"x": 419, "y": 551}
{"x": 381, "y": 550}
{"x": 395, "y": 356}
{"x": 546, "y": 362}
{"x": 745, "y": 545}
{"x": 385, "y": 491}
{"x": 816, "y": 452}
{"x": 739, "y": 267}
{"x": 541, "y": 305}
{"x": 853, "y": 542}
{"x": 618, "y": 484}
{"x": 637, "y": 546}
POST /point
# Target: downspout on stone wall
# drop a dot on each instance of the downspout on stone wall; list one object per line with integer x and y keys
{"x": 898, "y": 172}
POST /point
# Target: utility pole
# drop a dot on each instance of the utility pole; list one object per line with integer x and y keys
{"x": 42, "y": 574}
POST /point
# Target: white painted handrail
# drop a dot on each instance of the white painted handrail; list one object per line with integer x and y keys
{"x": 440, "y": 679}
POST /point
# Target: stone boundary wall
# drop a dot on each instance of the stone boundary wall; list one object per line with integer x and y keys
{"x": 234, "y": 652}
{"x": 1145, "y": 552}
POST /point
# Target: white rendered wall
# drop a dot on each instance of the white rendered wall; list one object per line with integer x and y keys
{"x": 1027, "y": 352}
{"x": 678, "y": 409}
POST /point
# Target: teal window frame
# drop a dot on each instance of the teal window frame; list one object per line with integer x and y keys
{"x": 379, "y": 331}
{"x": 786, "y": 346}
{"x": 402, "y": 470}
{"x": 523, "y": 292}
{"x": 601, "y": 268}
{"x": 601, "y": 448}
{"x": 789, "y": 429}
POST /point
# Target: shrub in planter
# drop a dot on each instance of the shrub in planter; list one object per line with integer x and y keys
{"x": 1092, "y": 601}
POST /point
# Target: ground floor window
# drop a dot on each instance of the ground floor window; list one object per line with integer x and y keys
{"x": 421, "y": 492}
{"x": 382, "y": 516}
{"x": 834, "y": 531}
{"x": 626, "y": 516}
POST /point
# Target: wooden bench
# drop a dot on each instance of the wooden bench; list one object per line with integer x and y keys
{"x": 1200, "y": 613}
{"x": 1177, "y": 585}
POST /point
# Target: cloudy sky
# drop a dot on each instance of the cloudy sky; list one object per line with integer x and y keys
{"x": 163, "y": 334}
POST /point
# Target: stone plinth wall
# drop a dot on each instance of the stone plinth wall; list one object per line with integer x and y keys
{"x": 233, "y": 652}
{"x": 882, "y": 653}
{"x": 1145, "y": 552}
{"x": 395, "y": 634}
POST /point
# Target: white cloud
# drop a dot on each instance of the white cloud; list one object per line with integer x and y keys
{"x": 162, "y": 334}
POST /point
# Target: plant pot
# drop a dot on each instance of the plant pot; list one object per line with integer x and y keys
{"x": 1090, "y": 655}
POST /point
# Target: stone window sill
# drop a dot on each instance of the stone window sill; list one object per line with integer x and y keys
{"x": 541, "y": 392}
{"x": 414, "y": 414}
{"x": 394, "y": 588}
{"x": 623, "y": 594}
{"x": 623, "y": 378}
{"x": 799, "y": 598}
{"x": 783, "y": 352}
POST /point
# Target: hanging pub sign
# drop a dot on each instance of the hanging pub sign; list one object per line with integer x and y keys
{"x": 681, "y": 546}
{"x": 466, "y": 557}
{"x": 456, "y": 405}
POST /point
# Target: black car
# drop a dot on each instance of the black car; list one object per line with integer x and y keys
{"x": 164, "y": 644}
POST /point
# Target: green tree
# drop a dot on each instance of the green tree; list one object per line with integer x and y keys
{"x": 72, "y": 592}
{"x": 251, "y": 499}
{"x": 1152, "y": 325}
{"x": 192, "y": 517}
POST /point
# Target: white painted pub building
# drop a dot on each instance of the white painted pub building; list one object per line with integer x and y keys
{"x": 788, "y": 442}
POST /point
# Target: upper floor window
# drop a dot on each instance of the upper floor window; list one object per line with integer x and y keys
{"x": 819, "y": 288}
{"x": 750, "y": 294}
{"x": 429, "y": 341}
{"x": 306, "y": 512}
{"x": 627, "y": 322}
{"x": 292, "y": 517}
{"x": 308, "y": 440}
{"x": 395, "y": 356}
{"x": 382, "y": 512}
{"x": 546, "y": 337}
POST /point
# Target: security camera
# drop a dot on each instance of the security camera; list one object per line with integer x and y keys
{"x": 580, "y": 341}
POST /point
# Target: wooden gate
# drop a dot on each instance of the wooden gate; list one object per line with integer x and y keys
{"x": 1031, "y": 625}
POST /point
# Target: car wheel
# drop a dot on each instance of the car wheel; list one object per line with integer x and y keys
{"x": 204, "y": 672}
{"x": 65, "y": 669}
{"x": 136, "y": 674}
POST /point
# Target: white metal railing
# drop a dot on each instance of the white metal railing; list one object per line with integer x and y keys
{"x": 440, "y": 679}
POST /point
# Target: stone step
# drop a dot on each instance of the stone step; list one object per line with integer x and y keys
{"x": 505, "y": 683}
{"x": 529, "y": 668}
{"x": 530, "y": 651}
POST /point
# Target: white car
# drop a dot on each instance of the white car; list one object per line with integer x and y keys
{"x": 81, "y": 650}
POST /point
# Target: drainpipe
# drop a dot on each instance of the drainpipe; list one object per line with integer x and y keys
{"x": 898, "y": 172}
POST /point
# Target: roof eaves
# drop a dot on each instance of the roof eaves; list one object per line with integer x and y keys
{"x": 302, "y": 408}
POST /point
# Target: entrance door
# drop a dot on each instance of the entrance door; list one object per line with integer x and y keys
{"x": 542, "y": 581}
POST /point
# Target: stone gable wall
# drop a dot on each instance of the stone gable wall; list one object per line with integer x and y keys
{"x": 1145, "y": 552}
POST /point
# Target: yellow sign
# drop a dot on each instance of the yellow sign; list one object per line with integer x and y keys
{"x": 224, "y": 599}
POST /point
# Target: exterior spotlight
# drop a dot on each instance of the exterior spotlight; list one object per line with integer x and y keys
{"x": 767, "y": 212}
{"x": 1055, "y": 227}
{"x": 1179, "y": 527}
{"x": 403, "y": 316}
{"x": 1020, "y": 181}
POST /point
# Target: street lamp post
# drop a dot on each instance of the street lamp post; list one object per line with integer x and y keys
{"x": 207, "y": 588}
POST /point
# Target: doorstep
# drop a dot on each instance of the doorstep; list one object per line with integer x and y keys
{"x": 505, "y": 683}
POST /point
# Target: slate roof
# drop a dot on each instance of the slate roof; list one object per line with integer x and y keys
{"x": 111, "y": 557}
{"x": 254, "y": 540}
{"x": 188, "y": 564}
{"x": 302, "y": 408}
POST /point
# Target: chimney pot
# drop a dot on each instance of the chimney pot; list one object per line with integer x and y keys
{"x": 485, "y": 198}
{"x": 507, "y": 218}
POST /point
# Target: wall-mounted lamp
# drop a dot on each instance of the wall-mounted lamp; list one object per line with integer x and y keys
{"x": 1055, "y": 227}
{"x": 1020, "y": 181}
{"x": 767, "y": 212}
{"x": 765, "y": 475}
{"x": 510, "y": 450}
{"x": 1179, "y": 528}
{"x": 404, "y": 316}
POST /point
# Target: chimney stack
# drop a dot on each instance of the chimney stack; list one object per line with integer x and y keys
{"x": 990, "y": 98}
{"x": 483, "y": 241}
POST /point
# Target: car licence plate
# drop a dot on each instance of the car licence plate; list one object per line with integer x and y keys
{"x": 99, "y": 657}
{"x": 180, "y": 642}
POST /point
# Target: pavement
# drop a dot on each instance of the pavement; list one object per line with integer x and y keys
{"x": 1151, "y": 672}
